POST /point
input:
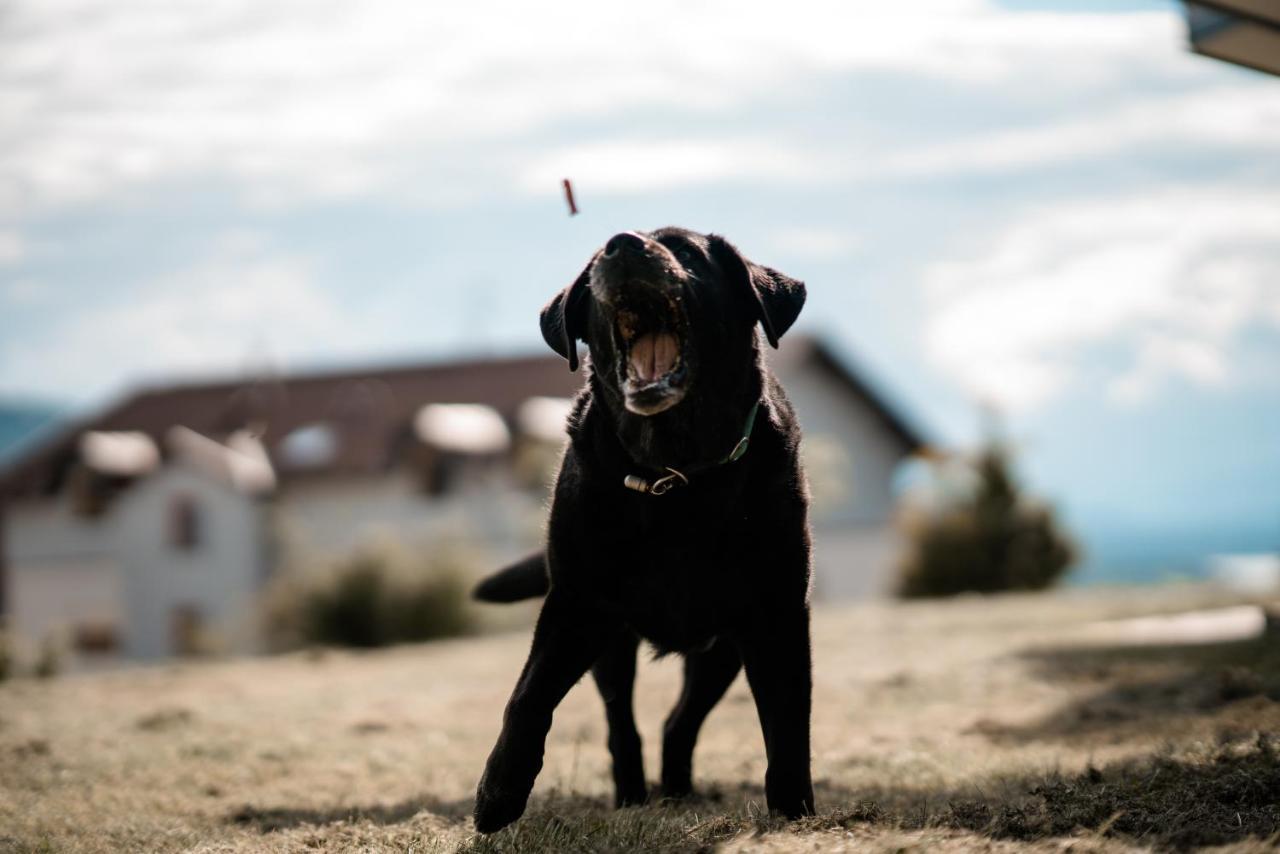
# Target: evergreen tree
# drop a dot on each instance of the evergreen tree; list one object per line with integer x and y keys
{"x": 990, "y": 540}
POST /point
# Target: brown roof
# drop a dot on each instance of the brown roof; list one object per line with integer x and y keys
{"x": 856, "y": 379}
{"x": 370, "y": 410}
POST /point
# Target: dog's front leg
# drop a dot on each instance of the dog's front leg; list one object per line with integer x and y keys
{"x": 567, "y": 640}
{"x": 777, "y": 658}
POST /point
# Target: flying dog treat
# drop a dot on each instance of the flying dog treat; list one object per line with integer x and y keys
{"x": 568, "y": 195}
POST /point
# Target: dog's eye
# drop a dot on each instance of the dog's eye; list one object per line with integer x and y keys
{"x": 685, "y": 256}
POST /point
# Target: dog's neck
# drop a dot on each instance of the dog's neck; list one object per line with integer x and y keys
{"x": 696, "y": 434}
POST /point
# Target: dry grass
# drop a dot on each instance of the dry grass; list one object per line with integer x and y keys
{"x": 990, "y": 724}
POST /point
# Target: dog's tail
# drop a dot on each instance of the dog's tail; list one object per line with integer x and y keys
{"x": 524, "y": 579}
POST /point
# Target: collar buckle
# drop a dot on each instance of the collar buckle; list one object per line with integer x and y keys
{"x": 666, "y": 483}
{"x": 661, "y": 486}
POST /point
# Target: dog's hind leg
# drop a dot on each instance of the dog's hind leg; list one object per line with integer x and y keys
{"x": 615, "y": 675}
{"x": 707, "y": 675}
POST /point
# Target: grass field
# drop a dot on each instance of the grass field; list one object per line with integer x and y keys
{"x": 1013, "y": 723}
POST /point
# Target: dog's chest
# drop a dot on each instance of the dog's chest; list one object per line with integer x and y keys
{"x": 667, "y": 566}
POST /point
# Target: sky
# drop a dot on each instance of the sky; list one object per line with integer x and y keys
{"x": 1052, "y": 209}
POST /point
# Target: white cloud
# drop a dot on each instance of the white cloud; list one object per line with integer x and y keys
{"x": 1243, "y": 118}
{"x": 815, "y": 241}
{"x": 12, "y": 247}
{"x": 292, "y": 97}
{"x": 662, "y": 164}
{"x": 1159, "y": 357}
{"x": 24, "y": 291}
{"x": 229, "y": 312}
{"x": 1182, "y": 273}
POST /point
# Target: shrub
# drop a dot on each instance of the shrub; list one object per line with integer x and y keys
{"x": 49, "y": 658}
{"x": 986, "y": 540}
{"x": 375, "y": 597}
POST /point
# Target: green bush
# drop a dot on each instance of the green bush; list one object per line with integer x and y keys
{"x": 987, "y": 540}
{"x": 376, "y": 597}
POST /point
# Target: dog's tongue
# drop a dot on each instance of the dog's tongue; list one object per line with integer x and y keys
{"x": 653, "y": 355}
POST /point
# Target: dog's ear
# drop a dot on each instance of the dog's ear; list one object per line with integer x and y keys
{"x": 564, "y": 319}
{"x": 778, "y": 297}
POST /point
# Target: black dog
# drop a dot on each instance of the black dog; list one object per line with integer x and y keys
{"x": 664, "y": 526}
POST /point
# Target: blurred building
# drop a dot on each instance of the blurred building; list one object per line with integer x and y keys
{"x": 155, "y": 523}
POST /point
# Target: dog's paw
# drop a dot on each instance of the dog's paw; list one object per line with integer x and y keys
{"x": 677, "y": 790}
{"x": 496, "y": 809}
{"x": 631, "y": 796}
{"x": 793, "y": 807}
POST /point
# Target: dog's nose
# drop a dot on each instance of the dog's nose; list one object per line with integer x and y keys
{"x": 627, "y": 240}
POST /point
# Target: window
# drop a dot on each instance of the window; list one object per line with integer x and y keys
{"x": 95, "y": 636}
{"x": 184, "y": 523}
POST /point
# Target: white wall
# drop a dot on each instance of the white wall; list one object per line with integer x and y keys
{"x": 855, "y": 562}
{"x": 219, "y": 577}
{"x": 871, "y": 451}
{"x": 851, "y": 457}
{"x": 122, "y": 568}
{"x": 48, "y": 530}
{"x": 61, "y": 571}
{"x": 332, "y": 518}
{"x": 51, "y": 598}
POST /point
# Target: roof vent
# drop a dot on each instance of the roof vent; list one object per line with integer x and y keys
{"x": 462, "y": 428}
{"x": 309, "y": 446}
{"x": 242, "y": 462}
{"x": 545, "y": 418}
{"x": 119, "y": 454}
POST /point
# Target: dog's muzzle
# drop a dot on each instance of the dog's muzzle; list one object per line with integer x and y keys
{"x": 641, "y": 286}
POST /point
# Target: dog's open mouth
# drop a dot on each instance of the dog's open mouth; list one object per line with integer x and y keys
{"x": 650, "y": 334}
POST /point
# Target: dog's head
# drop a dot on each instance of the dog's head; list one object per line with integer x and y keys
{"x": 658, "y": 310}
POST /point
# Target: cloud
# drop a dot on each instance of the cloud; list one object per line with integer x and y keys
{"x": 294, "y": 100}
{"x": 1160, "y": 287}
{"x": 815, "y": 241}
{"x": 1243, "y": 118}
{"x": 659, "y": 165}
{"x": 24, "y": 291}
{"x": 12, "y": 247}
{"x": 240, "y": 308}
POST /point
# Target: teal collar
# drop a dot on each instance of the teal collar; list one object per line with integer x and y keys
{"x": 741, "y": 448}
{"x": 675, "y": 478}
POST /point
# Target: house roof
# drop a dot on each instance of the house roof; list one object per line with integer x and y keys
{"x": 856, "y": 379}
{"x": 369, "y": 412}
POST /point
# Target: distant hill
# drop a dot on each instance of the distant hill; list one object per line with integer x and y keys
{"x": 21, "y": 421}
{"x": 1137, "y": 553}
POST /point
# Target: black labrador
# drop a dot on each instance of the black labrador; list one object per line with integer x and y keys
{"x": 679, "y": 516}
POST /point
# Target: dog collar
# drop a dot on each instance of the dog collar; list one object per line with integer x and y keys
{"x": 675, "y": 478}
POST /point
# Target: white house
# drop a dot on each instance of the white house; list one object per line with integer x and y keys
{"x": 149, "y": 528}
